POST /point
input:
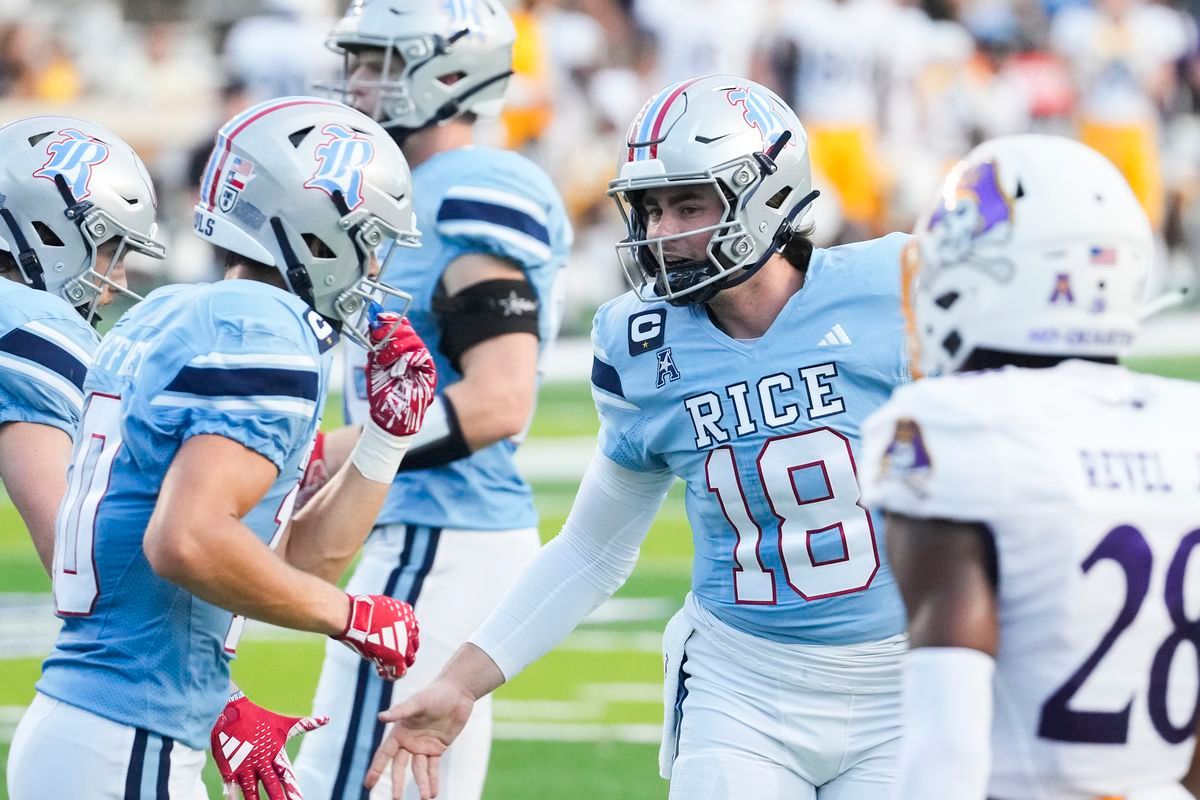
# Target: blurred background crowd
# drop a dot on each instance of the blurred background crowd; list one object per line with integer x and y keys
{"x": 891, "y": 93}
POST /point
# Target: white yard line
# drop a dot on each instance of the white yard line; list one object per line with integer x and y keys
{"x": 28, "y": 626}
{"x": 635, "y": 733}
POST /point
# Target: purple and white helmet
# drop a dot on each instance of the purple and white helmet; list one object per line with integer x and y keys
{"x": 1034, "y": 245}
{"x": 67, "y": 187}
{"x": 736, "y": 136}
{"x": 313, "y": 188}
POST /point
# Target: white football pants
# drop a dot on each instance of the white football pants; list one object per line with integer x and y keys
{"x": 747, "y": 718}
{"x": 453, "y": 579}
{"x": 60, "y": 751}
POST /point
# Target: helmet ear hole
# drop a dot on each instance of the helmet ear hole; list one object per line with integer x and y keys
{"x": 47, "y": 235}
{"x": 317, "y": 247}
{"x": 777, "y": 199}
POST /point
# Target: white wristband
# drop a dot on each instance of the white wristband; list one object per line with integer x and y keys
{"x": 377, "y": 454}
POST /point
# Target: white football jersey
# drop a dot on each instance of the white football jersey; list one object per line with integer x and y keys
{"x": 1116, "y": 63}
{"x": 843, "y": 45}
{"x": 1088, "y": 478}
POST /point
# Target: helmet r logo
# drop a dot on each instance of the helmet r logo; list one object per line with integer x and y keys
{"x": 340, "y": 162}
{"x": 73, "y": 157}
{"x": 759, "y": 112}
{"x": 464, "y": 14}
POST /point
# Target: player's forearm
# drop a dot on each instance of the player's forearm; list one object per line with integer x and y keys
{"x": 33, "y": 463}
{"x": 579, "y": 569}
{"x": 494, "y": 400}
{"x": 331, "y": 528}
{"x": 946, "y": 750}
{"x": 38, "y": 512}
{"x": 491, "y": 413}
{"x": 473, "y": 671}
{"x": 225, "y": 564}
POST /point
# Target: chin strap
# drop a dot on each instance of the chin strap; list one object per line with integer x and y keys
{"x": 449, "y": 110}
{"x": 27, "y": 258}
{"x": 782, "y": 237}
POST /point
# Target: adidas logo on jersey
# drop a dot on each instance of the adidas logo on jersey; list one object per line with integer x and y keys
{"x": 230, "y": 744}
{"x": 837, "y": 335}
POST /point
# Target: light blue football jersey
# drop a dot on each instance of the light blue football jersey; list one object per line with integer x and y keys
{"x": 765, "y": 433}
{"x": 472, "y": 200}
{"x": 45, "y": 351}
{"x": 239, "y": 359}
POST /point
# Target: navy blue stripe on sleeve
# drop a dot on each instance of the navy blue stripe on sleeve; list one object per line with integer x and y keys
{"x": 606, "y": 378}
{"x": 31, "y": 347}
{"x": 246, "y": 381}
{"x": 477, "y": 210}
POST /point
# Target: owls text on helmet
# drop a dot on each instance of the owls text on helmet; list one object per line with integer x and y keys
{"x": 736, "y": 137}
{"x": 1035, "y": 245}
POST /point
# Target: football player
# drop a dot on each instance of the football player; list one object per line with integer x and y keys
{"x": 485, "y": 298}
{"x": 200, "y": 407}
{"x": 1123, "y": 57}
{"x": 74, "y": 199}
{"x": 842, "y": 48}
{"x": 1040, "y": 498}
{"x": 743, "y": 363}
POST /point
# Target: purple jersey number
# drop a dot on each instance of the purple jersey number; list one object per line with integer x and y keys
{"x": 1127, "y": 546}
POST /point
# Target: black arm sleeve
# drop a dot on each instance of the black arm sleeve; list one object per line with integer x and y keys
{"x": 484, "y": 311}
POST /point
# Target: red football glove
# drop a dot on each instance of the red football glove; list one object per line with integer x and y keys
{"x": 248, "y": 744}
{"x": 400, "y": 375}
{"x": 316, "y": 474}
{"x": 382, "y": 630}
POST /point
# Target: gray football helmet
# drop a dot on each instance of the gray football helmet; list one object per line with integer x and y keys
{"x": 736, "y": 136}
{"x": 67, "y": 187}
{"x": 440, "y": 59}
{"x": 314, "y": 189}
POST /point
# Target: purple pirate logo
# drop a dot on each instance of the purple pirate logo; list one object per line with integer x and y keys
{"x": 73, "y": 157}
{"x": 907, "y": 458}
{"x": 760, "y": 113}
{"x": 975, "y": 209}
{"x": 340, "y": 162}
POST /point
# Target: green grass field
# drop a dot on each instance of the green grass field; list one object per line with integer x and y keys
{"x": 582, "y": 719}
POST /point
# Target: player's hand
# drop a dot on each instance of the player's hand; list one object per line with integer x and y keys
{"x": 400, "y": 375}
{"x": 424, "y": 726}
{"x": 316, "y": 474}
{"x": 249, "y": 745}
{"x": 384, "y": 631}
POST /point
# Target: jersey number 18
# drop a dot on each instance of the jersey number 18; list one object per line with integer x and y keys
{"x": 799, "y": 520}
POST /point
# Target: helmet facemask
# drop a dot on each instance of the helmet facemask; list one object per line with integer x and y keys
{"x": 731, "y": 255}
{"x": 644, "y": 257}
{"x": 312, "y": 270}
{"x": 395, "y": 107}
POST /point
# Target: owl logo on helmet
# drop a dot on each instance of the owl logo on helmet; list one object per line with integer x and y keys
{"x": 73, "y": 157}
{"x": 340, "y": 162}
{"x": 760, "y": 113}
{"x": 977, "y": 212}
